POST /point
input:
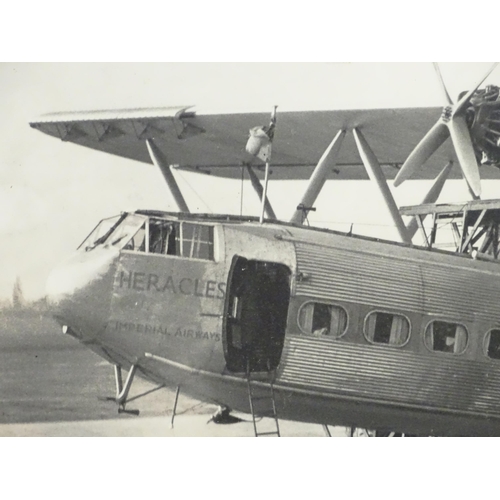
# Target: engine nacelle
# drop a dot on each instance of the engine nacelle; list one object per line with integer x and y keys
{"x": 483, "y": 119}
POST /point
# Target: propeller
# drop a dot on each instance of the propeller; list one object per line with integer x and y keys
{"x": 452, "y": 123}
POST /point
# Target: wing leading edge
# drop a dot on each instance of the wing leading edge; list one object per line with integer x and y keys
{"x": 215, "y": 143}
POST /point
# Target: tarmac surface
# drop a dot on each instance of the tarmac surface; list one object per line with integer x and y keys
{"x": 51, "y": 385}
{"x": 184, "y": 426}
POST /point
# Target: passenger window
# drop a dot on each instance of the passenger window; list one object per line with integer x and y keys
{"x": 493, "y": 344}
{"x": 443, "y": 336}
{"x": 386, "y": 328}
{"x": 196, "y": 241}
{"x": 320, "y": 319}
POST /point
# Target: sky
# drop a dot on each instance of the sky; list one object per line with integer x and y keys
{"x": 53, "y": 193}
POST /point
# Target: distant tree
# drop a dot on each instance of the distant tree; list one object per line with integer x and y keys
{"x": 17, "y": 294}
{"x": 39, "y": 305}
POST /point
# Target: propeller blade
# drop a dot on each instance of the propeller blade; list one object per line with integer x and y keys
{"x": 422, "y": 152}
{"x": 464, "y": 102}
{"x": 472, "y": 194}
{"x": 443, "y": 86}
{"x": 465, "y": 153}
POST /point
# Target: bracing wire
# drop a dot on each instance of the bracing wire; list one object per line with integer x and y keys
{"x": 194, "y": 191}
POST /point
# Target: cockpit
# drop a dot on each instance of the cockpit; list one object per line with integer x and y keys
{"x": 154, "y": 235}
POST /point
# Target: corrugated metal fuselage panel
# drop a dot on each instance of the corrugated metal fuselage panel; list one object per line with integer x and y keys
{"x": 401, "y": 280}
{"x": 364, "y": 276}
{"x": 391, "y": 375}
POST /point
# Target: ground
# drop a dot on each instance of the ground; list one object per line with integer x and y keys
{"x": 50, "y": 385}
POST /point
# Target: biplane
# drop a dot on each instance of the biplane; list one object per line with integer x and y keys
{"x": 282, "y": 319}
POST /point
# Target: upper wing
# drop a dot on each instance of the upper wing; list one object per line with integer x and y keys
{"x": 215, "y": 143}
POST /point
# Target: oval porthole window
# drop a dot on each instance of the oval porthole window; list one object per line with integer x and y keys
{"x": 443, "y": 336}
{"x": 492, "y": 342}
{"x": 387, "y": 328}
{"x": 320, "y": 319}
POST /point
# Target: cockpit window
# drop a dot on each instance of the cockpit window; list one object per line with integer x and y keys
{"x": 138, "y": 241}
{"x": 101, "y": 232}
{"x": 131, "y": 232}
{"x": 150, "y": 235}
{"x": 114, "y": 231}
{"x": 184, "y": 239}
{"x": 196, "y": 241}
{"x": 162, "y": 237}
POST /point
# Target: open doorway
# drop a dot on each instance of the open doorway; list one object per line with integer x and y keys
{"x": 255, "y": 315}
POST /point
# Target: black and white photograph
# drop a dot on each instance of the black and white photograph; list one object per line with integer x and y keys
{"x": 191, "y": 252}
{"x": 247, "y": 240}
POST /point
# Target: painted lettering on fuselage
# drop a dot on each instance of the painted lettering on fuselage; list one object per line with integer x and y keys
{"x": 149, "y": 282}
{"x": 192, "y": 333}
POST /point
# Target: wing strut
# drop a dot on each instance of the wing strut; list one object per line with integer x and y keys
{"x": 430, "y": 197}
{"x": 260, "y": 191}
{"x": 158, "y": 158}
{"x": 325, "y": 165}
{"x": 376, "y": 174}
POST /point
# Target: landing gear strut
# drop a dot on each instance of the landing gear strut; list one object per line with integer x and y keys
{"x": 122, "y": 390}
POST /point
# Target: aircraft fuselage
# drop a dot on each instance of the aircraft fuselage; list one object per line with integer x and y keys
{"x": 355, "y": 331}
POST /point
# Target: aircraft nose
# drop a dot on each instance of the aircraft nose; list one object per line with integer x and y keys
{"x": 79, "y": 292}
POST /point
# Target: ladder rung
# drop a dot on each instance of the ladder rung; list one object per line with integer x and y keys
{"x": 268, "y": 412}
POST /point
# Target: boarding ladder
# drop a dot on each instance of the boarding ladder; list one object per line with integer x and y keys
{"x": 262, "y": 403}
